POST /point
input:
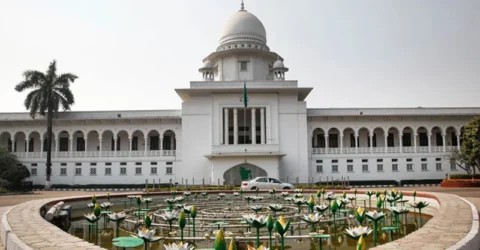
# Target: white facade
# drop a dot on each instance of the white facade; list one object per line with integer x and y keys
{"x": 213, "y": 132}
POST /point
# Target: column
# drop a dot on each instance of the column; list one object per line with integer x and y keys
{"x": 28, "y": 144}
{"x": 235, "y": 126}
{"x": 115, "y": 145}
{"x": 400, "y": 142}
{"x": 57, "y": 146}
{"x": 315, "y": 141}
{"x": 130, "y": 144}
{"x": 262, "y": 125}
{"x": 254, "y": 129}
{"x": 386, "y": 143}
{"x": 356, "y": 144}
{"x": 458, "y": 141}
{"x": 415, "y": 143}
{"x": 444, "y": 143}
{"x": 146, "y": 145}
{"x": 13, "y": 145}
{"x": 225, "y": 130}
{"x": 429, "y": 142}
{"x": 161, "y": 143}
{"x": 86, "y": 145}
{"x": 371, "y": 143}
{"x": 71, "y": 146}
{"x": 341, "y": 144}
{"x": 41, "y": 145}
{"x": 326, "y": 144}
{"x": 100, "y": 145}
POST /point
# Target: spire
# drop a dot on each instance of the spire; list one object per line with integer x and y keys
{"x": 242, "y": 6}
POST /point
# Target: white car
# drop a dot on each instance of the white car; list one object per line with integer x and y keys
{"x": 264, "y": 182}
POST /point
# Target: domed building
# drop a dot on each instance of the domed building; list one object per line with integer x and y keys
{"x": 242, "y": 118}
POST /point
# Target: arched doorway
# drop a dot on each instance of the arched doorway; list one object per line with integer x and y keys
{"x": 242, "y": 172}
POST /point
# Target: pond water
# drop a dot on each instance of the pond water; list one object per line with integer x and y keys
{"x": 214, "y": 212}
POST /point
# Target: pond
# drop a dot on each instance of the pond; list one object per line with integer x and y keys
{"x": 228, "y": 212}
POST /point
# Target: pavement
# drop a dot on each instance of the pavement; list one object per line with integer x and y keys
{"x": 6, "y": 201}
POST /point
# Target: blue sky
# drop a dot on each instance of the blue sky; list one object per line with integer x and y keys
{"x": 132, "y": 54}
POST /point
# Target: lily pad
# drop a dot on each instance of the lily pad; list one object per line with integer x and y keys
{"x": 127, "y": 242}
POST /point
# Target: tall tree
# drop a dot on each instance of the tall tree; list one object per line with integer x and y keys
{"x": 50, "y": 92}
{"x": 471, "y": 143}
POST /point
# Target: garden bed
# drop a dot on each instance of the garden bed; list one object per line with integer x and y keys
{"x": 451, "y": 183}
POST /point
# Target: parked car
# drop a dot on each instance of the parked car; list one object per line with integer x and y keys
{"x": 264, "y": 182}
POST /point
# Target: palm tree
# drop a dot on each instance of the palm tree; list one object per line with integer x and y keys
{"x": 50, "y": 91}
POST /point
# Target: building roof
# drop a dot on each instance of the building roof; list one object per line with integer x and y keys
{"x": 419, "y": 111}
{"x": 243, "y": 26}
{"x": 97, "y": 115}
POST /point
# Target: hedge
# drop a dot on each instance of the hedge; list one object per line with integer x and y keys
{"x": 464, "y": 176}
{"x": 427, "y": 181}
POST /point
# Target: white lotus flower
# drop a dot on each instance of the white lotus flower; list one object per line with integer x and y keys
{"x": 356, "y": 232}
{"x": 374, "y": 215}
{"x": 236, "y": 193}
{"x": 106, "y": 204}
{"x": 298, "y": 195}
{"x": 170, "y": 200}
{"x": 187, "y": 193}
{"x": 146, "y": 234}
{"x": 147, "y": 200}
{"x": 221, "y": 194}
{"x": 116, "y": 216}
{"x": 257, "y": 198}
{"x": 329, "y": 196}
{"x": 285, "y": 193}
{"x": 312, "y": 218}
{"x": 256, "y": 208}
{"x": 275, "y": 207}
{"x": 399, "y": 210}
{"x": 90, "y": 205}
{"x": 297, "y": 190}
{"x": 169, "y": 215}
{"x": 344, "y": 201}
{"x": 180, "y": 246}
{"x": 180, "y": 198}
{"x": 90, "y": 217}
{"x": 321, "y": 208}
{"x": 255, "y": 220}
{"x": 288, "y": 199}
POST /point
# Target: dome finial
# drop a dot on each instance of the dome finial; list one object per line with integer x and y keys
{"x": 242, "y": 6}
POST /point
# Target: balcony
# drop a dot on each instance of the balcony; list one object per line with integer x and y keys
{"x": 248, "y": 149}
{"x": 383, "y": 150}
{"x": 93, "y": 154}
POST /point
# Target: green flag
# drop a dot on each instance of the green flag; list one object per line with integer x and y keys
{"x": 245, "y": 98}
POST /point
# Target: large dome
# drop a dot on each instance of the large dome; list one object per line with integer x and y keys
{"x": 243, "y": 27}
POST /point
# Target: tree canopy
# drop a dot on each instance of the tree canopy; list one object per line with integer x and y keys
{"x": 10, "y": 170}
{"x": 468, "y": 158}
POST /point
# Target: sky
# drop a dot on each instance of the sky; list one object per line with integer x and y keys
{"x": 131, "y": 55}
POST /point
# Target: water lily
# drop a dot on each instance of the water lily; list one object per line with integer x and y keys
{"x": 180, "y": 199}
{"x": 256, "y": 208}
{"x": 375, "y": 217}
{"x": 257, "y": 198}
{"x": 147, "y": 234}
{"x": 344, "y": 202}
{"x": 182, "y": 222}
{"x": 270, "y": 224}
{"x": 379, "y": 202}
{"x": 360, "y": 215}
{"x": 173, "y": 193}
{"x": 248, "y": 199}
{"x": 298, "y": 190}
{"x": 180, "y": 246}
{"x": 169, "y": 216}
{"x": 312, "y": 219}
{"x": 333, "y": 208}
{"x": 91, "y": 217}
{"x": 285, "y": 194}
{"x": 420, "y": 205}
{"x": 282, "y": 227}
{"x": 288, "y": 199}
{"x": 222, "y": 194}
{"x": 299, "y": 202}
{"x": 236, "y": 193}
{"x": 311, "y": 203}
{"x": 356, "y": 232}
{"x": 397, "y": 211}
{"x": 298, "y": 195}
{"x": 322, "y": 208}
{"x": 106, "y": 205}
{"x": 116, "y": 216}
{"x": 256, "y": 221}
{"x": 187, "y": 194}
{"x": 329, "y": 196}
{"x": 219, "y": 243}
{"x": 170, "y": 202}
{"x": 275, "y": 207}
{"x": 193, "y": 214}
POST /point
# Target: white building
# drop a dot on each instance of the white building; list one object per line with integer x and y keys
{"x": 212, "y": 137}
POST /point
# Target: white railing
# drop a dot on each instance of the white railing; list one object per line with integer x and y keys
{"x": 349, "y": 150}
{"x": 90, "y": 154}
{"x": 168, "y": 152}
{"x": 317, "y": 151}
{"x": 437, "y": 149}
{"x": 378, "y": 150}
{"x": 451, "y": 148}
{"x": 408, "y": 149}
{"x": 334, "y": 150}
{"x": 423, "y": 149}
{"x": 393, "y": 149}
{"x": 363, "y": 150}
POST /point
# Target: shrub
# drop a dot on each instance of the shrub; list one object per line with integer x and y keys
{"x": 464, "y": 176}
